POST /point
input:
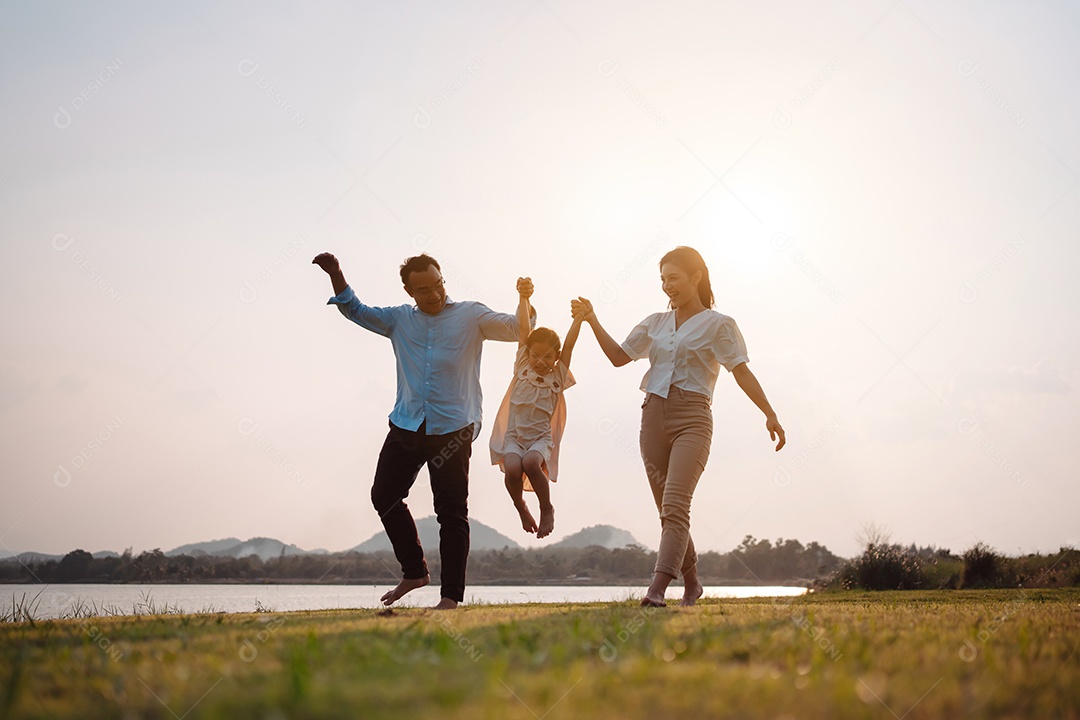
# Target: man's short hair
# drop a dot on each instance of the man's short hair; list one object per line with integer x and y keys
{"x": 417, "y": 263}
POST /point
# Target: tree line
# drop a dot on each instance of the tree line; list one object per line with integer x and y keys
{"x": 752, "y": 562}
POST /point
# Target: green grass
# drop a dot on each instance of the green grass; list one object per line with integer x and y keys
{"x": 954, "y": 654}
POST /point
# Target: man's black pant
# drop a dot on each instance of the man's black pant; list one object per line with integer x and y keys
{"x": 447, "y": 456}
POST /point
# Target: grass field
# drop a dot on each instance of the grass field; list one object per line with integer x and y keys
{"x": 942, "y": 654}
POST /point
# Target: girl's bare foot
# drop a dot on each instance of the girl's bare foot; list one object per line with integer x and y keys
{"x": 446, "y": 604}
{"x": 653, "y": 601}
{"x": 528, "y": 523}
{"x": 547, "y": 521}
{"x": 406, "y": 585}
{"x": 691, "y": 593}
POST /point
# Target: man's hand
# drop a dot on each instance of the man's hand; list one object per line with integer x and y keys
{"x": 525, "y": 287}
{"x": 327, "y": 262}
{"x": 330, "y": 265}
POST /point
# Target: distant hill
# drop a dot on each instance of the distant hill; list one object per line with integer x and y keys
{"x": 481, "y": 537}
{"x": 210, "y": 547}
{"x": 265, "y": 548}
{"x": 36, "y": 557}
{"x": 603, "y": 535}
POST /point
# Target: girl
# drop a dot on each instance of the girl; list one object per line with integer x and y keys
{"x": 528, "y": 428}
{"x": 686, "y": 347}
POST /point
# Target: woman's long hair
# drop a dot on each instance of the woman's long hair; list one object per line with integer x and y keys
{"x": 690, "y": 261}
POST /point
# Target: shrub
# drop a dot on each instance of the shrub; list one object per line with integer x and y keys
{"x": 883, "y": 567}
{"x": 982, "y": 567}
{"x": 942, "y": 573}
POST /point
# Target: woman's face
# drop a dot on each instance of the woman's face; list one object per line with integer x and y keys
{"x": 681, "y": 289}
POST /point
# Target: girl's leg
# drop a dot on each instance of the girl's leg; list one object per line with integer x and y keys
{"x": 533, "y": 464}
{"x": 515, "y": 486}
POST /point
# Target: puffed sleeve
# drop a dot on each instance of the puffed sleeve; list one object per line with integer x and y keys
{"x": 638, "y": 341}
{"x": 728, "y": 345}
{"x": 565, "y": 378}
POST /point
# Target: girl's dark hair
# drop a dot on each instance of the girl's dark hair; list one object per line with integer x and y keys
{"x": 690, "y": 261}
{"x": 417, "y": 263}
{"x": 546, "y": 336}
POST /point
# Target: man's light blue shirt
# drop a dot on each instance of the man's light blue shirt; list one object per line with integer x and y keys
{"x": 438, "y": 358}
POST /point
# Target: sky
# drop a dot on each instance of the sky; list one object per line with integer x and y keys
{"x": 887, "y": 195}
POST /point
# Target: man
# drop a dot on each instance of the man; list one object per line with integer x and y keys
{"x": 436, "y": 416}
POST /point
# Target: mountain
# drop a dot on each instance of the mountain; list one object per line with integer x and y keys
{"x": 265, "y": 548}
{"x": 481, "y": 537}
{"x": 602, "y": 535}
{"x": 211, "y": 547}
{"x": 36, "y": 557}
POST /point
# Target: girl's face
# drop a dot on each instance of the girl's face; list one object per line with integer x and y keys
{"x": 542, "y": 358}
{"x": 681, "y": 289}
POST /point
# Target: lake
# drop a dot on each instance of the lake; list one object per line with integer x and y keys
{"x": 61, "y": 600}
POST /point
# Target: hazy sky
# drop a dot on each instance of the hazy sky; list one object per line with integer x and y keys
{"x": 887, "y": 194}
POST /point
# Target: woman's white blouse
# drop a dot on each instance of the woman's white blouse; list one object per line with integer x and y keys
{"x": 690, "y": 357}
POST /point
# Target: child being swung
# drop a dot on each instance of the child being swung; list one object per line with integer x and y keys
{"x": 529, "y": 426}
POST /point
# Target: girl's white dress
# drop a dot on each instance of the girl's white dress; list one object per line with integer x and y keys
{"x": 532, "y": 415}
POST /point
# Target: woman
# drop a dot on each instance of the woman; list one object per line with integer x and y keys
{"x": 686, "y": 347}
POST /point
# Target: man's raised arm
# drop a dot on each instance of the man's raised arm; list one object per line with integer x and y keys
{"x": 376, "y": 319}
{"x": 332, "y": 267}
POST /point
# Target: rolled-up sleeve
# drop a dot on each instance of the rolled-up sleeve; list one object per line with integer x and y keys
{"x": 729, "y": 346}
{"x": 498, "y": 326}
{"x": 638, "y": 341}
{"x": 378, "y": 320}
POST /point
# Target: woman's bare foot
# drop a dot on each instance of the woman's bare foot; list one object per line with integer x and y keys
{"x": 528, "y": 522}
{"x": 547, "y": 521}
{"x": 653, "y": 601}
{"x": 654, "y": 596}
{"x": 406, "y": 585}
{"x": 446, "y": 604}
{"x": 691, "y": 593}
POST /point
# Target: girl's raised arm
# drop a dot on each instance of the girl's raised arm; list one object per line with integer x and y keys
{"x": 524, "y": 311}
{"x": 569, "y": 342}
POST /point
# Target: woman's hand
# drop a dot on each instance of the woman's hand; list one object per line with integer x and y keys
{"x": 774, "y": 428}
{"x": 525, "y": 287}
{"x": 583, "y": 309}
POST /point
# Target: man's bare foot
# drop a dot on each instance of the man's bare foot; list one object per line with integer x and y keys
{"x": 406, "y": 585}
{"x": 547, "y": 521}
{"x": 653, "y": 601}
{"x": 446, "y": 604}
{"x": 691, "y": 593}
{"x": 528, "y": 523}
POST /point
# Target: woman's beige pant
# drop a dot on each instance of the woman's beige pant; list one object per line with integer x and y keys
{"x": 676, "y": 433}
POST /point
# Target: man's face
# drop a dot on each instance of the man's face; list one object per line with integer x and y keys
{"x": 426, "y": 288}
